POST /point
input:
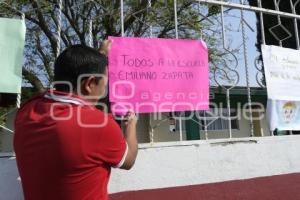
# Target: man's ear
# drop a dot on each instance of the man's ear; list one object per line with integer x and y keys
{"x": 89, "y": 84}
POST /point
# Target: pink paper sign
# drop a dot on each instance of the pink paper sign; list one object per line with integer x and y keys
{"x": 158, "y": 75}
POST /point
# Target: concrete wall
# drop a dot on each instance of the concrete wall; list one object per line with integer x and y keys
{"x": 10, "y": 185}
{"x": 189, "y": 163}
{"x": 196, "y": 162}
{"x": 265, "y": 127}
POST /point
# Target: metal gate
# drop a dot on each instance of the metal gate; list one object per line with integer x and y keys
{"x": 226, "y": 72}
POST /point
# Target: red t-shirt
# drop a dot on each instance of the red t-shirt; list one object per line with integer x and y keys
{"x": 65, "y": 148}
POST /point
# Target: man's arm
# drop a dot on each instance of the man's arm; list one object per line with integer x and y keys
{"x": 130, "y": 135}
{"x": 130, "y": 131}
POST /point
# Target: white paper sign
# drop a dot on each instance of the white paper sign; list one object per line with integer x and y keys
{"x": 282, "y": 72}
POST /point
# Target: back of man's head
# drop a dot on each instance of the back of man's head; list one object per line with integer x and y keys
{"x": 75, "y": 61}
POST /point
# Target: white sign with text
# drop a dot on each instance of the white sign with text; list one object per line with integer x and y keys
{"x": 282, "y": 72}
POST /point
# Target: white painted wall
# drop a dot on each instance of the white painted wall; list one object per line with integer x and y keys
{"x": 188, "y": 163}
{"x": 198, "y": 162}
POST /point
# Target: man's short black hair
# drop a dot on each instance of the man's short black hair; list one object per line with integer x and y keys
{"x": 75, "y": 61}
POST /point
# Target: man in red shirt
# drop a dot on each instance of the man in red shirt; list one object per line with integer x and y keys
{"x": 64, "y": 146}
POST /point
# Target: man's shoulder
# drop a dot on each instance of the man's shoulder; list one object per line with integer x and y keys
{"x": 90, "y": 111}
{"x": 28, "y": 105}
{"x": 33, "y": 99}
{"x": 92, "y": 117}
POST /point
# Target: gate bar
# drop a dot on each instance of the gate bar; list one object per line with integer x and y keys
{"x": 250, "y": 8}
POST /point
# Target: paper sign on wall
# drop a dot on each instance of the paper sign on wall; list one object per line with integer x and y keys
{"x": 12, "y": 39}
{"x": 158, "y": 75}
{"x": 282, "y": 72}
